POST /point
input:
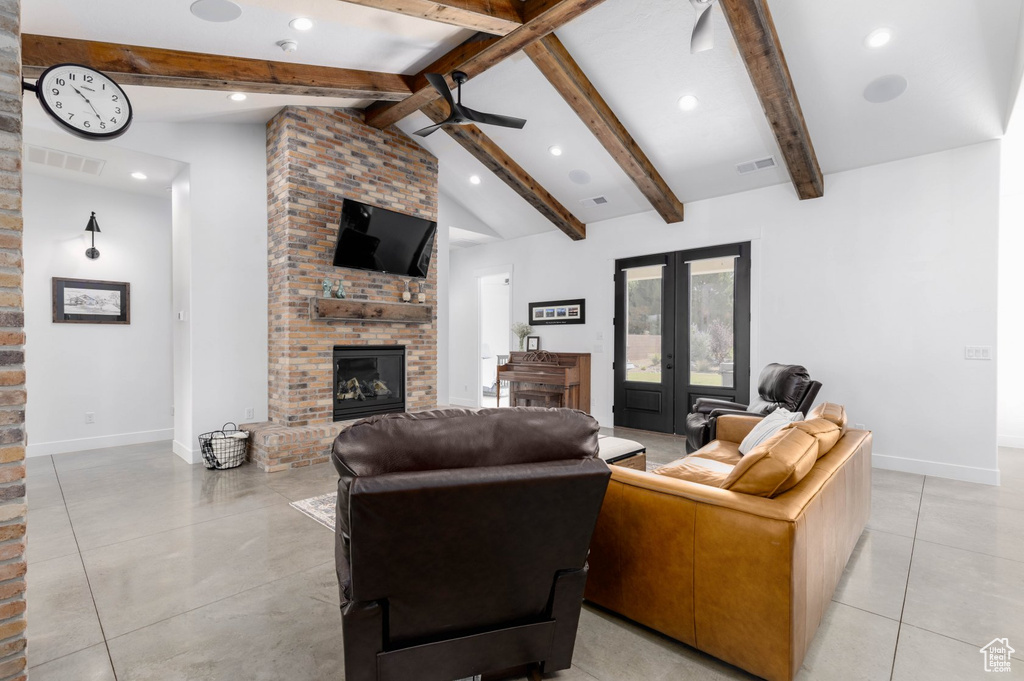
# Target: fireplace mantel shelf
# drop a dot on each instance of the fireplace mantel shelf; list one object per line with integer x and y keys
{"x": 328, "y": 309}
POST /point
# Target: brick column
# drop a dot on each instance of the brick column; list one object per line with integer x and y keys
{"x": 12, "y": 354}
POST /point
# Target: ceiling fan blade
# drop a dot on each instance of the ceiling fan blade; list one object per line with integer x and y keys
{"x": 430, "y": 129}
{"x": 492, "y": 119}
{"x": 703, "y": 37}
{"x": 441, "y": 85}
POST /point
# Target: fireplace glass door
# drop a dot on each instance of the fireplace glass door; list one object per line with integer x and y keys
{"x": 368, "y": 380}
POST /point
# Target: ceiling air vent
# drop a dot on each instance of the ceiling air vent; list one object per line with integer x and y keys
{"x": 64, "y": 160}
{"x": 595, "y": 201}
{"x": 754, "y": 166}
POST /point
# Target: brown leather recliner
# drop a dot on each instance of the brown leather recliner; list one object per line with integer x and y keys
{"x": 462, "y": 539}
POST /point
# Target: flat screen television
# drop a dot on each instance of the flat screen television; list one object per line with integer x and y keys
{"x": 372, "y": 238}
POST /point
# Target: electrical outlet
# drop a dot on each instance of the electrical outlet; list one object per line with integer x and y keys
{"x": 250, "y": 413}
{"x": 90, "y": 417}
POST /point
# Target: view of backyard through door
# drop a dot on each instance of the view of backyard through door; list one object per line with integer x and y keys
{"x": 495, "y": 313}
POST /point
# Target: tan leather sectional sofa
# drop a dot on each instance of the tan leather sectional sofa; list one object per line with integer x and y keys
{"x": 744, "y": 578}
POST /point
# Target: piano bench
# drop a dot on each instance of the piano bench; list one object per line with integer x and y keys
{"x": 549, "y": 398}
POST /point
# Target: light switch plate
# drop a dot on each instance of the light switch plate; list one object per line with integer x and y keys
{"x": 978, "y": 352}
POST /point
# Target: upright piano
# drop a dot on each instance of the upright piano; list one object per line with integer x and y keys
{"x": 563, "y": 376}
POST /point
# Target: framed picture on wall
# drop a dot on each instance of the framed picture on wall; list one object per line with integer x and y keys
{"x": 89, "y": 301}
{"x": 559, "y": 312}
{"x": 533, "y": 343}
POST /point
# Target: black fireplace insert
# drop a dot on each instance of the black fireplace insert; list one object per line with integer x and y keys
{"x": 368, "y": 379}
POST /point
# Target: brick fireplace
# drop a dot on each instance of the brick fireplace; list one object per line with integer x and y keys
{"x": 316, "y": 158}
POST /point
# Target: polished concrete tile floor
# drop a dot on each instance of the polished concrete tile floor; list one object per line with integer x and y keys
{"x": 142, "y": 568}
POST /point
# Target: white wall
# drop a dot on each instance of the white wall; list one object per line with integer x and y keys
{"x": 77, "y": 368}
{"x": 876, "y": 288}
{"x": 1011, "y": 286}
{"x": 224, "y": 238}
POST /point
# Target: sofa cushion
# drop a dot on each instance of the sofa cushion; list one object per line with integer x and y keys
{"x": 825, "y": 432}
{"x": 768, "y": 426}
{"x": 774, "y": 466}
{"x": 720, "y": 450}
{"x": 697, "y": 469}
{"x": 836, "y": 413}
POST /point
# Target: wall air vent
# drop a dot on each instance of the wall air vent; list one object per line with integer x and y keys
{"x": 754, "y": 166}
{"x": 60, "y": 159}
{"x": 595, "y": 201}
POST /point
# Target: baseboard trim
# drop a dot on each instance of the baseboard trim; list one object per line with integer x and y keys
{"x": 190, "y": 455}
{"x": 102, "y": 442}
{"x": 985, "y": 476}
{"x": 1010, "y": 441}
{"x": 459, "y": 402}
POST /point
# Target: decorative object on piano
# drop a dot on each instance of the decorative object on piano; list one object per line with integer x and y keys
{"x": 559, "y": 312}
{"x": 340, "y": 292}
{"x": 541, "y": 356}
{"x": 521, "y": 330}
{"x": 532, "y": 343}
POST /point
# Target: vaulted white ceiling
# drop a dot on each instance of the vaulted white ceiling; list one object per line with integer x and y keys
{"x": 957, "y": 55}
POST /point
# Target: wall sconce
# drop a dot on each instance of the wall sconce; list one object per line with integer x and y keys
{"x": 93, "y": 227}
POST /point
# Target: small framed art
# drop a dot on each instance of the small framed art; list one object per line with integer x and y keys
{"x": 559, "y": 312}
{"x": 533, "y": 343}
{"x": 89, "y": 301}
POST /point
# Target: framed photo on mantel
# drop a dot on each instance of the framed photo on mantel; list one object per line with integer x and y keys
{"x": 88, "y": 301}
{"x": 559, "y": 312}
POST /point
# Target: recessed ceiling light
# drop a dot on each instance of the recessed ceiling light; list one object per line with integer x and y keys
{"x": 238, "y": 96}
{"x": 216, "y": 10}
{"x": 139, "y": 176}
{"x": 301, "y": 24}
{"x": 885, "y": 89}
{"x": 555, "y": 150}
{"x": 688, "y": 102}
{"x": 474, "y": 179}
{"x": 880, "y": 37}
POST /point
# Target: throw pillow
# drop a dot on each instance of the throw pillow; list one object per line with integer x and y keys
{"x": 774, "y": 466}
{"x": 769, "y": 425}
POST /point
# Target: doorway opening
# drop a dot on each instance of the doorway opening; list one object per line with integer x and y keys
{"x": 495, "y": 333}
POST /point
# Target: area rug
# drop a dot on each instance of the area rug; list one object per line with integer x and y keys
{"x": 320, "y": 509}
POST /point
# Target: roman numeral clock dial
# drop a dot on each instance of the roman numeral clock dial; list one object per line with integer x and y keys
{"x": 84, "y": 101}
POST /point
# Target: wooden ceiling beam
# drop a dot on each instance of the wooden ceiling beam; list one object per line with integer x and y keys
{"x": 480, "y": 53}
{"x": 754, "y": 31}
{"x": 499, "y": 17}
{"x": 132, "y": 65}
{"x": 562, "y": 71}
{"x": 483, "y": 149}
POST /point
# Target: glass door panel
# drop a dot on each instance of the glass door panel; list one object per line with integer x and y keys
{"x": 712, "y": 346}
{"x": 644, "y": 295}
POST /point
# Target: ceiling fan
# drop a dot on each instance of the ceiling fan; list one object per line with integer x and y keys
{"x": 463, "y": 115}
{"x": 703, "y": 37}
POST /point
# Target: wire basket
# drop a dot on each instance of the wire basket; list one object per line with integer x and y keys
{"x": 224, "y": 448}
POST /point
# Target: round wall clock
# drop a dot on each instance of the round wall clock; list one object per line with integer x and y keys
{"x": 84, "y": 101}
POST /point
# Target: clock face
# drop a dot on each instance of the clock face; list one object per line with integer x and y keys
{"x": 84, "y": 101}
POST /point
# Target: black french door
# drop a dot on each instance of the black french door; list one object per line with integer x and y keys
{"x": 682, "y": 331}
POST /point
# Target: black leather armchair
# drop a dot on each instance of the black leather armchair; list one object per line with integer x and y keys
{"x": 462, "y": 539}
{"x": 780, "y": 385}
